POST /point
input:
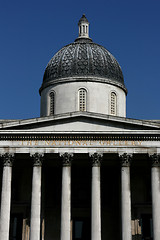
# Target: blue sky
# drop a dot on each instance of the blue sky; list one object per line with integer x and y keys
{"x": 33, "y": 31}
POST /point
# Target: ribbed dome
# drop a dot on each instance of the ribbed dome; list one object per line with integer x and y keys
{"x": 83, "y": 58}
{"x": 83, "y": 76}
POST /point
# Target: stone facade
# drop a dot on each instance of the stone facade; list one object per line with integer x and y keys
{"x": 80, "y": 174}
{"x": 95, "y": 189}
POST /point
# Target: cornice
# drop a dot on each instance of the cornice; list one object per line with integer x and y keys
{"x": 54, "y": 82}
{"x": 77, "y": 114}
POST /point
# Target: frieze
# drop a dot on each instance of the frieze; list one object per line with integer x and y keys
{"x": 72, "y": 143}
{"x": 78, "y": 140}
{"x": 83, "y": 143}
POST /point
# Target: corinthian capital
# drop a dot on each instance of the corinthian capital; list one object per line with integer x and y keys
{"x": 37, "y": 159}
{"x": 125, "y": 159}
{"x": 96, "y": 159}
{"x": 66, "y": 158}
{"x": 8, "y": 159}
{"x": 155, "y": 160}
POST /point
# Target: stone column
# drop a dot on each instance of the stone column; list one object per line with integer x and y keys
{"x": 36, "y": 197}
{"x": 6, "y": 196}
{"x": 66, "y": 197}
{"x": 125, "y": 196}
{"x": 96, "y": 197}
{"x": 155, "y": 183}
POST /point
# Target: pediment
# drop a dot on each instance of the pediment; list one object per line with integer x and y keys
{"x": 79, "y": 122}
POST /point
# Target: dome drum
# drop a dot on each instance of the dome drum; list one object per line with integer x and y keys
{"x": 98, "y": 97}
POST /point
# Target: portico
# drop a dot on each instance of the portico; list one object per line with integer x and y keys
{"x": 85, "y": 183}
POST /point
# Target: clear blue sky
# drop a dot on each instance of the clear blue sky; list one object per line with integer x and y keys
{"x": 31, "y": 32}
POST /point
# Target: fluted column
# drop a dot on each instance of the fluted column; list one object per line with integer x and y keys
{"x": 66, "y": 196}
{"x": 125, "y": 196}
{"x": 36, "y": 197}
{"x": 96, "y": 197}
{"x": 155, "y": 183}
{"x": 6, "y": 196}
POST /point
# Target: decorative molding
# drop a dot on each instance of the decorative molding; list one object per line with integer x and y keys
{"x": 78, "y": 137}
{"x": 82, "y": 79}
{"x": 155, "y": 159}
{"x": 96, "y": 159}
{"x": 8, "y": 159}
{"x": 37, "y": 159}
{"x": 125, "y": 159}
{"x": 66, "y": 158}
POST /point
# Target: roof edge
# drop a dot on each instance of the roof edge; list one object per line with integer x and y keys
{"x": 68, "y": 115}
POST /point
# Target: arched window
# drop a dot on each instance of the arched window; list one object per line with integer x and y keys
{"x": 113, "y": 103}
{"x": 82, "y": 99}
{"x": 52, "y": 103}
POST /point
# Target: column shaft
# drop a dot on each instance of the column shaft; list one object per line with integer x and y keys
{"x": 6, "y": 197}
{"x": 66, "y": 197}
{"x": 125, "y": 198}
{"x": 36, "y": 199}
{"x": 155, "y": 183}
{"x": 96, "y": 197}
{"x": 96, "y": 204}
{"x": 66, "y": 204}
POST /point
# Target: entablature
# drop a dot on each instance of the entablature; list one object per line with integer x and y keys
{"x": 80, "y": 142}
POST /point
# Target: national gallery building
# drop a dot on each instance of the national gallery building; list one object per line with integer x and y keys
{"x": 82, "y": 170}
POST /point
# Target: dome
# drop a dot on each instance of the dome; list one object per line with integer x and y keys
{"x": 83, "y": 76}
{"x": 83, "y": 58}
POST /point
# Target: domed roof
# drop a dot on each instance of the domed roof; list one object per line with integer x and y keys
{"x": 83, "y": 58}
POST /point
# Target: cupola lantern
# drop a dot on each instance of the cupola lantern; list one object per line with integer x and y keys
{"x": 83, "y": 25}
